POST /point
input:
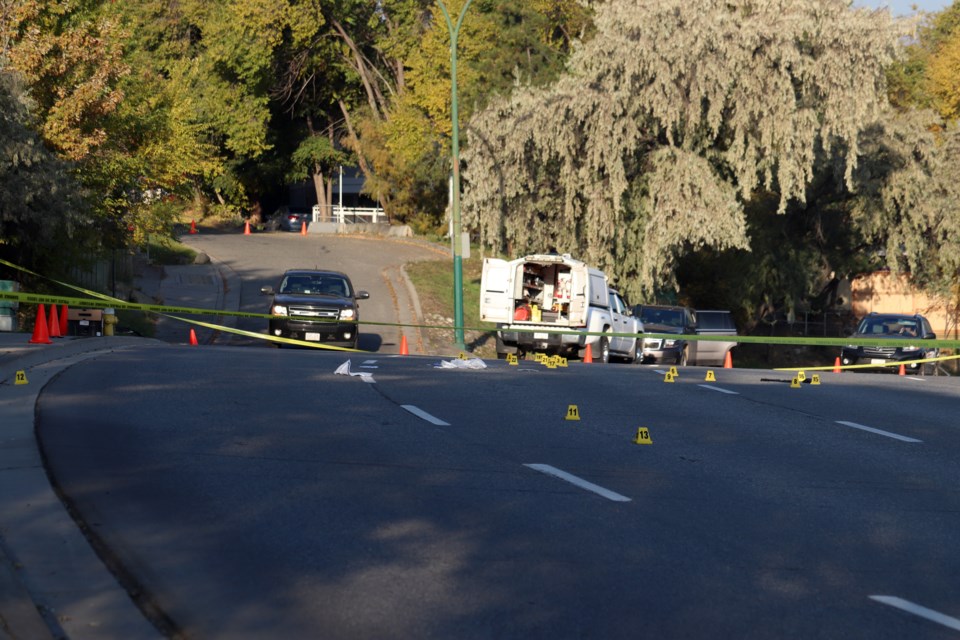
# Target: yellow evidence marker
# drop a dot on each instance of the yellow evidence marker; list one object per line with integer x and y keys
{"x": 643, "y": 436}
{"x": 462, "y": 356}
{"x": 795, "y": 383}
{"x": 20, "y": 377}
{"x": 573, "y": 413}
{"x": 710, "y": 376}
{"x": 668, "y": 377}
{"x": 674, "y": 372}
{"x": 801, "y": 376}
{"x": 513, "y": 359}
{"x": 815, "y": 379}
{"x": 563, "y": 362}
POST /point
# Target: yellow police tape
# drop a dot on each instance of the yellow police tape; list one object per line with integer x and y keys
{"x": 870, "y": 366}
{"x": 104, "y": 301}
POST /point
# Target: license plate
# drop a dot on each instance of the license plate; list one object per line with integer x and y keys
{"x": 541, "y": 336}
{"x": 84, "y": 323}
{"x": 877, "y": 361}
{"x": 314, "y": 337}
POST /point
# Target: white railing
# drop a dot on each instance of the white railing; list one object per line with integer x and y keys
{"x": 348, "y": 215}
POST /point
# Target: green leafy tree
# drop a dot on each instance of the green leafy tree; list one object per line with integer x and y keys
{"x": 668, "y": 121}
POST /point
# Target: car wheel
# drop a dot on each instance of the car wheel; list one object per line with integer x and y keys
{"x": 604, "y": 350}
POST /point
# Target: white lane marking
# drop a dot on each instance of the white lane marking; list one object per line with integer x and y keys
{"x": 917, "y": 610}
{"x": 721, "y": 390}
{"x": 420, "y": 413}
{"x": 369, "y": 362}
{"x": 369, "y": 366}
{"x": 580, "y": 482}
{"x": 368, "y": 378}
{"x": 895, "y": 436}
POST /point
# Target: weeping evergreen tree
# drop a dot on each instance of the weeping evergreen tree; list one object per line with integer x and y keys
{"x": 671, "y": 118}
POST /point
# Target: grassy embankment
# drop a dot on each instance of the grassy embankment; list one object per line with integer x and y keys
{"x": 434, "y": 283}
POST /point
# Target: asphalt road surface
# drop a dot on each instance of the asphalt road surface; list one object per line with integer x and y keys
{"x": 253, "y": 493}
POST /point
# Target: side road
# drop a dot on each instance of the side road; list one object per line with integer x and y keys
{"x": 52, "y": 584}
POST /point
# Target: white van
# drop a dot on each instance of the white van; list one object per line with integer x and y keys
{"x": 550, "y": 303}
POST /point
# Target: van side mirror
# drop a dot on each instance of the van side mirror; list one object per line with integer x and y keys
{"x": 362, "y": 295}
{"x": 267, "y": 291}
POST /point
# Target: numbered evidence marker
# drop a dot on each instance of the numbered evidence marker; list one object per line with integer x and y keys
{"x": 20, "y": 377}
{"x": 573, "y": 413}
{"x": 513, "y": 359}
{"x": 674, "y": 372}
{"x": 669, "y": 377}
{"x": 643, "y": 436}
{"x": 462, "y": 356}
{"x": 710, "y": 376}
{"x": 795, "y": 383}
{"x": 815, "y": 379}
{"x": 801, "y": 376}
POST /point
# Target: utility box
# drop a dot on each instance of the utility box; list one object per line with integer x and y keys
{"x": 85, "y": 322}
{"x": 8, "y": 308}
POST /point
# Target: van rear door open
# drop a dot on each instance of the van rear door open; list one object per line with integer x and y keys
{"x": 496, "y": 290}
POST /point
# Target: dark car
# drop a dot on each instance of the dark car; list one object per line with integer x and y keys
{"x": 316, "y": 306}
{"x": 912, "y": 330}
{"x": 291, "y": 218}
{"x": 665, "y": 319}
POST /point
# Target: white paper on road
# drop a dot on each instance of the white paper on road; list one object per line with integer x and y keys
{"x": 344, "y": 370}
{"x": 473, "y": 363}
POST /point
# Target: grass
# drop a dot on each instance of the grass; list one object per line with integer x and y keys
{"x": 434, "y": 284}
{"x": 165, "y": 251}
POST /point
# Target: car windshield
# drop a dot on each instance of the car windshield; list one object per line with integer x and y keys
{"x": 888, "y": 326}
{"x": 666, "y": 317}
{"x": 301, "y": 284}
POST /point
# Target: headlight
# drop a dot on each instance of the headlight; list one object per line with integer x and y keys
{"x": 669, "y": 343}
{"x": 278, "y": 310}
{"x": 348, "y": 314}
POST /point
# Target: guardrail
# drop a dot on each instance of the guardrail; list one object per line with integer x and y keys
{"x": 348, "y": 215}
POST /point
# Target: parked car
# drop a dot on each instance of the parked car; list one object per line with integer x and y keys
{"x": 666, "y": 319}
{"x": 291, "y": 218}
{"x": 912, "y": 330}
{"x": 316, "y": 306}
{"x": 713, "y": 323}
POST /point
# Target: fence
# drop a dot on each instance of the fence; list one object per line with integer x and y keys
{"x": 348, "y": 215}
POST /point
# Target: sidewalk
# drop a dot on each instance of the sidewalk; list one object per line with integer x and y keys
{"x": 52, "y": 584}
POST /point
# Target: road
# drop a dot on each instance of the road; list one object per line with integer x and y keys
{"x": 253, "y": 493}
{"x": 373, "y": 265}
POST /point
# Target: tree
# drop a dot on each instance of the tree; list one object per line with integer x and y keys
{"x": 668, "y": 121}
{"x": 39, "y": 200}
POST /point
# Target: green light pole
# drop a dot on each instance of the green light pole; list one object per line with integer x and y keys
{"x": 455, "y": 152}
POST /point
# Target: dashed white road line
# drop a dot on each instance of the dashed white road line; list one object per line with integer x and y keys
{"x": 879, "y": 432}
{"x": 420, "y": 413}
{"x": 720, "y": 389}
{"x": 580, "y": 482}
{"x": 917, "y": 610}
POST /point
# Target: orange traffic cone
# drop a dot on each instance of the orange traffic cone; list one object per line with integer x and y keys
{"x": 53, "y": 330}
{"x": 303, "y": 228}
{"x": 588, "y": 355}
{"x": 64, "y": 325}
{"x": 404, "y": 350}
{"x": 903, "y": 370}
{"x": 836, "y": 365}
{"x": 728, "y": 361}
{"x": 41, "y": 334}
{"x": 193, "y": 226}
{"x": 193, "y": 338}
{"x": 246, "y": 228}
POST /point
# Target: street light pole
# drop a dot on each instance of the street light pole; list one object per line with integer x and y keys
{"x": 455, "y": 153}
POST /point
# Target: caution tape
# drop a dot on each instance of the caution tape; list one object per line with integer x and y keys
{"x": 102, "y": 301}
{"x": 890, "y": 363}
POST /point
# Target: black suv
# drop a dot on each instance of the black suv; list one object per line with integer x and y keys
{"x": 665, "y": 319}
{"x": 316, "y": 306}
{"x": 912, "y": 330}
